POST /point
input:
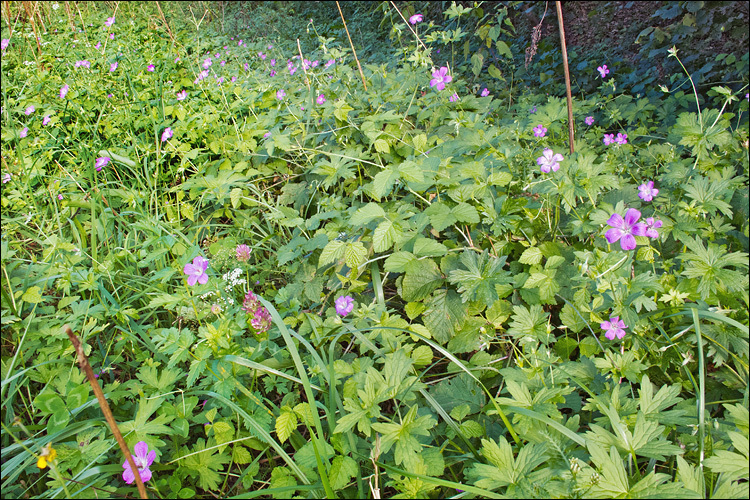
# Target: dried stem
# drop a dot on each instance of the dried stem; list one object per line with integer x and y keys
{"x": 567, "y": 74}
{"x": 352, "y": 45}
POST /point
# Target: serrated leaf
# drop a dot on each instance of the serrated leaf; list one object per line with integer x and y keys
{"x": 332, "y": 252}
{"x": 32, "y": 295}
{"x": 383, "y": 182}
{"x": 426, "y": 247}
{"x": 235, "y": 196}
{"x": 397, "y": 262}
{"x": 440, "y": 216}
{"x": 422, "y": 355}
{"x": 343, "y": 469}
{"x": 445, "y": 314}
{"x": 385, "y": 235}
{"x": 286, "y": 423}
{"x": 531, "y": 256}
{"x": 463, "y": 212}
{"x": 366, "y": 214}
{"x": 355, "y": 254}
{"x": 381, "y": 145}
{"x": 421, "y": 278}
{"x": 414, "y": 309}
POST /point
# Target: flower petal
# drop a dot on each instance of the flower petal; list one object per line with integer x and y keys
{"x": 613, "y": 235}
{"x": 627, "y": 242}
{"x": 141, "y": 449}
{"x": 632, "y": 216}
{"x": 616, "y": 221}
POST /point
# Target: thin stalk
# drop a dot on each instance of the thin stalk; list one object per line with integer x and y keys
{"x": 352, "y": 45}
{"x": 567, "y": 73}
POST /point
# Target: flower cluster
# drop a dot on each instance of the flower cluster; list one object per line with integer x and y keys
{"x": 233, "y": 279}
{"x": 84, "y": 64}
{"x": 611, "y": 139}
{"x": 261, "y": 318}
{"x": 243, "y": 252}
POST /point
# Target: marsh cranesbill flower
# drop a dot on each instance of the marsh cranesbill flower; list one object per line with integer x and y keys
{"x": 320, "y": 99}
{"x": 150, "y": 67}
{"x": 651, "y": 227}
{"x": 197, "y": 271}
{"x": 280, "y": 94}
{"x": 102, "y": 162}
{"x": 625, "y": 229}
{"x": 315, "y": 63}
{"x": 344, "y": 305}
{"x": 181, "y": 95}
{"x": 262, "y": 56}
{"x": 267, "y": 135}
{"x": 109, "y": 96}
{"x": 64, "y": 91}
{"x": 234, "y": 79}
{"x": 261, "y": 321}
{"x": 6, "y": 177}
{"x": 647, "y": 191}
{"x": 166, "y": 135}
{"x": 46, "y": 120}
{"x": 532, "y": 110}
{"x": 84, "y": 63}
{"x": 143, "y": 460}
{"x": 621, "y": 138}
{"x": 603, "y": 70}
{"x": 615, "y": 327}
{"x": 243, "y": 252}
{"x": 207, "y": 63}
{"x": 239, "y": 44}
{"x": 609, "y": 139}
{"x": 111, "y": 36}
{"x": 540, "y": 131}
{"x": 273, "y": 62}
{"x": 109, "y": 22}
{"x": 113, "y": 67}
{"x": 329, "y": 63}
{"x": 5, "y": 43}
{"x": 453, "y": 98}
{"x": 416, "y": 18}
{"x": 485, "y": 92}
{"x": 60, "y": 197}
{"x": 589, "y": 120}
{"x": 549, "y": 161}
{"x": 272, "y": 73}
{"x": 29, "y": 110}
{"x": 440, "y": 77}
{"x": 98, "y": 45}
{"x": 220, "y": 80}
{"x": 23, "y": 132}
{"x": 292, "y": 70}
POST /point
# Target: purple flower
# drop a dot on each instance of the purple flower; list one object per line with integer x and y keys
{"x": 113, "y": 67}
{"x": 181, "y": 95}
{"x": 262, "y": 56}
{"x": 589, "y": 120}
{"x": 329, "y": 63}
{"x": 609, "y": 139}
{"x": 267, "y": 135}
{"x": 440, "y": 77}
{"x": 197, "y": 271}
{"x": 647, "y": 191}
{"x": 273, "y": 62}
{"x": 250, "y": 303}
{"x": 532, "y": 110}
{"x": 485, "y": 92}
{"x": 166, "y": 135}
{"x": 23, "y": 132}
{"x": 60, "y": 197}
{"x": 5, "y": 43}
{"x": 111, "y": 36}
{"x": 621, "y": 138}
{"x": 344, "y": 305}
{"x": 222, "y": 63}
{"x": 98, "y": 45}
{"x": 652, "y": 226}
{"x": 109, "y": 22}
{"x": 272, "y": 73}
{"x": 150, "y": 67}
{"x": 46, "y": 120}
{"x": 239, "y": 44}
{"x": 261, "y": 321}
{"x": 625, "y": 229}
{"x": 143, "y": 460}
{"x": 247, "y": 66}
{"x": 207, "y": 63}
{"x": 603, "y": 70}
{"x": 84, "y": 63}
{"x": 243, "y": 253}
{"x": 102, "y": 162}
{"x": 234, "y": 79}
{"x": 220, "y": 80}
{"x": 6, "y": 177}
{"x": 416, "y": 18}
{"x": 29, "y": 110}
{"x": 453, "y": 98}
{"x": 540, "y": 131}
{"x": 320, "y": 99}
{"x": 280, "y": 94}
{"x": 614, "y": 328}
{"x": 549, "y": 161}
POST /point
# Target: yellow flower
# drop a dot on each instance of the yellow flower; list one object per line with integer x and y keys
{"x": 48, "y": 454}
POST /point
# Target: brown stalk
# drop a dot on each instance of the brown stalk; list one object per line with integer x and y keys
{"x": 352, "y": 45}
{"x": 86, "y": 367}
{"x": 567, "y": 74}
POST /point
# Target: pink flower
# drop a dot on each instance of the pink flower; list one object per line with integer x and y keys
{"x": 540, "y": 131}
{"x": 207, "y": 63}
{"x": 453, "y": 98}
{"x": 46, "y": 120}
{"x": 625, "y": 229}
{"x": 261, "y": 321}
{"x": 29, "y": 110}
{"x": 150, "y": 67}
{"x": 549, "y": 161}
{"x": 5, "y": 43}
{"x": 111, "y": 36}
{"x": 113, "y": 67}
{"x": 98, "y": 45}
{"x": 647, "y": 191}
{"x": 329, "y": 63}
{"x": 243, "y": 253}
{"x": 143, "y": 460}
{"x": 181, "y": 95}
{"x": 166, "y": 135}
{"x": 197, "y": 271}
{"x": 64, "y": 91}
{"x": 102, "y": 162}
{"x": 109, "y": 22}
{"x": 344, "y": 305}
{"x": 262, "y": 55}
{"x": 589, "y": 120}
{"x": 609, "y": 139}
{"x": 440, "y": 77}
{"x": 273, "y": 62}
{"x": 651, "y": 227}
{"x": 320, "y": 99}
{"x": 614, "y": 328}
{"x": 485, "y": 92}
{"x": 250, "y": 303}
{"x": 416, "y": 18}
{"x": 272, "y": 73}
{"x": 621, "y": 138}
{"x": 280, "y": 94}
{"x": 23, "y": 133}
{"x": 603, "y": 70}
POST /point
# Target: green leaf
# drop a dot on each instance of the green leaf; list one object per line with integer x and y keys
{"x": 421, "y": 278}
{"x": 397, "y": 262}
{"x": 77, "y": 396}
{"x": 58, "y": 421}
{"x": 429, "y": 248}
{"x": 482, "y": 274}
{"x": 440, "y": 216}
{"x": 286, "y": 423}
{"x": 343, "y": 469}
{"x": 530, "y": 324}
{"x": 404, "y": 435}
{"x": 383, "y": 182}
{"x": 459, "y": 390}
{"x": 531, "y": 256}
{"x": 32, "y": 295}
{"x": 445, "y": 314}
{"x": 49, "y": 402}
{"x": 355, "y": 254}
{"x": 463, "y": 212}
{"x": 332, "y": 252}
{"x": 381, "y": 146}
{"x": 366, "y": 214}
{"x": 385, "y": 235}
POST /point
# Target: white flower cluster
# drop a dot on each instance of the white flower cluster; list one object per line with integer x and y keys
{"x": 233, "y": 279}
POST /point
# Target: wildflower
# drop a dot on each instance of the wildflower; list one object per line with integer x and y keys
{"x": 440, "y": 77}
{"x": 614, "y": 328}
{"x": 109, "y": 22}
{"x": 220, "y": 80}
{"x": 621, "y": 138}
{"x": 143, "y": 460}
{"x": 344, "y": 305}
{"x": 215, "y": 309}
{"x": 280, "y": 94}
{"x": 532, "y": 110}
{"x": 60, "y": 197}
{"x": 647, "y": 191}
{"x": 166, "y": 135}
{"x": 549, "y": 161}
{"x": 197, "y": 271}
{"x": 64, "y": 91}
{"x": 243, "y": 253}
{"x": 321, "y": 99}
{"x": 329, "y": 63}
{"x": 625, "y": 229}
{"x": 109, "y": 96}
{"x": 454, "y": 97}
{"x": 30, "y": 110}
{"x": 603, "y": 70}
{"x": 485, "y": 92}
{"x": 261, "y": 321}
{"x": 247, "y": 66}
{"x": 239, "y": 44}
{"x": 46, "y": 120}
{"x": 250, "y": 303}
{"x": 609, "y": 139}
{"x": 5, "y": 43}
{"x": 6, "y": 177}
{"x": 47, "y": 455}
{"x": 589, "y": 120}
{"x": 234, "y": 79}
{"x": 273, "y": 62}
{"x": 292, "y": 70}
{"x": 262, "y": 55}
{"x": 314, "y": 63}
{"x": 113, "y": 67}
{"x": 540, "y": 131}
{"x": 24, "y": 132}
{"x": 416, "y": 18}
{"x": 111, "y": 36}
{"x": 207, "y": 63}
{"x": 272, "y": 73}
{"x": 267, "y": 135}
{"x": 84, "y": 63}
{"x": 98, "y": 45}
{"x": 150, "y": 67}
{"x": 181, "y": 95}
{"x": 101, "y": 162}
{"x": 651, "y": 227}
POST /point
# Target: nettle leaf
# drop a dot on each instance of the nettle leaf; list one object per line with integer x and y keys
{"x": 420, "y": 279}
{"x": 479, "y": 280}
{"x": 445, "y": 314}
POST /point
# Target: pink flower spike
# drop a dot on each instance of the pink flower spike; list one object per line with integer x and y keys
{"x": 243, "y": 253}
{"x": 615, "y": 327}
{"x": 143, "y": 460}
{"x": 197, "y": 271}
